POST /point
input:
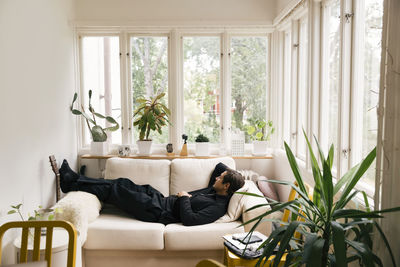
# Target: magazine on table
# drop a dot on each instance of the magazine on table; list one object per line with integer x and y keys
{"x": 245, "y": 245}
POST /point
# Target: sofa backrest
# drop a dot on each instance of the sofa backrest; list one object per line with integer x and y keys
{"x": 192, "y": 174}
{"x": 141, "y": 171}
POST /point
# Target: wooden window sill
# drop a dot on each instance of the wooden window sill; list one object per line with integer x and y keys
{"x": 87, "y": 156}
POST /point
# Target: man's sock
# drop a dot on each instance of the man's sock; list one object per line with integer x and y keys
{"x": 67, "y": 177}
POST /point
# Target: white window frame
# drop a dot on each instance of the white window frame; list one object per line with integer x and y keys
{"x": 348, "y": 151}
{"x": 82, "y": 125}
{"x": 128, "y": 90}
{"x": 349, "y": 114}
{"x": 175, "y": 77}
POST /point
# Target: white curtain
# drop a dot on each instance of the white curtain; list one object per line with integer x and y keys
{"x": 388, "y": 150}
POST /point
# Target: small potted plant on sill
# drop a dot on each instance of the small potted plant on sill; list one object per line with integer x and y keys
{"x": 98, "y": 146}
{"x": 151, "y": 115}
{"x": 202, "y": 146}
{"x": 260, "y": 133}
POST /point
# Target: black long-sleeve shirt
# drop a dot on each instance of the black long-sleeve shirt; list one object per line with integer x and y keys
{"x": 205, "y": 205}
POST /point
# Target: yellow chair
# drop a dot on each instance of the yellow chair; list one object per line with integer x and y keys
{"x": 230, "y": 259}
{"x": 38, "y": 225}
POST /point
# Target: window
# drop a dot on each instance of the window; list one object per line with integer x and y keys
{"x": 331, "y": 79}
{"x": 369, "y": 81}
{"x": 287, "y": 54}
{"x": 149, "y": 74}
{"x": 302, "y": 103}
{"x": 202, "y": 90}
{"x": 249, "y": 59}
{"x": 368, "y": 40}
{"x": 101, "y": 74}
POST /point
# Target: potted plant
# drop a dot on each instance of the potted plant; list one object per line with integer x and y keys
{"x": 260, "y": 133}
{"x": 202, "y": 146}
{"x": 333, "y": 235}
{"x": 151, "y": 115}
{"x": 98, "y": 145}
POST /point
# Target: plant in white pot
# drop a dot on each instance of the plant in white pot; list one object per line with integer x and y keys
{"x": 260, "y": 133}
{"x": 151, "y": 115}
{"x": 202, "y": 146}
{"x": 98, "y": 146}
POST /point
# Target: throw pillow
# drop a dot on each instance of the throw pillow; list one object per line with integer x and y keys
{"x": 235, "y": 207}
{"x": 268, "y": 189}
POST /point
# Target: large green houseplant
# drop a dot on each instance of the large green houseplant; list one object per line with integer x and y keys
{"x": 97, "y": 132}
{"x": 150, "y": 115}
{"x": 333, "y": 235}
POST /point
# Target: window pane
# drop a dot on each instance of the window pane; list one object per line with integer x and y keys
{"x": 249, "y": 81}
{"x": 286, "y": 87}
{"x": 303, "y": 86}
{"x": 333, "y": 75}
{"x": 201, "y": 70}
{"x": 372, "y": 57}
{"x": 149, "y": 70}
{"x": 101, "y": 74}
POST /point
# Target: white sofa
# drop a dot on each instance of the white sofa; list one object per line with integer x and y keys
{"x": 116, "y": 239}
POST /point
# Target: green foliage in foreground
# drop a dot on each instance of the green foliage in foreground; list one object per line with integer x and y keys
{"x": 332, "y": 235}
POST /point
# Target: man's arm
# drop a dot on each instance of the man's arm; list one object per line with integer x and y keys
{"x": 219, "y": 169}
{"x": 209, "y": 214}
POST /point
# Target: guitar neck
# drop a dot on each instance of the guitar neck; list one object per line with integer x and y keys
{"x": 54, "y": 167}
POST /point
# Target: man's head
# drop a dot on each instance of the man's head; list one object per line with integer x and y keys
{"x": 228, "y": 182}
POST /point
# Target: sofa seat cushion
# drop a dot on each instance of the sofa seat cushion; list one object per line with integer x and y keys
{"x": 115, "y": 230}
{"x": 141, "y": 171}
{"x": 192, "y": 174}
{"x": 199, "y": 237}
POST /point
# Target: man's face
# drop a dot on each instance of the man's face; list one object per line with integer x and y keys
{"x": 218, "y": 185}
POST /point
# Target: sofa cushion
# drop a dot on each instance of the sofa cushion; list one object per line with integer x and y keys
{"x": 236, "y": 203}
{"x": 193, "y": 174}
{"x": 141, "y": 171}
{"x": 199, "y": 237}
{"x": 115, "y": 230}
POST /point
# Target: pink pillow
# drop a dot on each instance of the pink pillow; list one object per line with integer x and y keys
{"x": 268, "y": 189}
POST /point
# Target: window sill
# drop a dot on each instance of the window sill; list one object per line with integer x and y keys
{"x": 87, "y": 156}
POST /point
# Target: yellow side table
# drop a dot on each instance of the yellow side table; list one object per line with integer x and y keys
{"x": 232, "y": 260}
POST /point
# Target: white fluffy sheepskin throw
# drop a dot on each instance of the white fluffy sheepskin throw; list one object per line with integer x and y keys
{"x": 80, "y": 209}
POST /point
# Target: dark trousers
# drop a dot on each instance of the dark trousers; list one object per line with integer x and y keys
{"x": 142, "y": 201}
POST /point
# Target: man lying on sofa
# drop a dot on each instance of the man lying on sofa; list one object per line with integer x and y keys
{"x": 147, "y": 204}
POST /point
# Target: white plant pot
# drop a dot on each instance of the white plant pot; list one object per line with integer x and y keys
{"x": 144, "y": 147}
{"x": 260, "y": 148}
{"x": 202, "y": 149}
{"x": 98, "y": 148}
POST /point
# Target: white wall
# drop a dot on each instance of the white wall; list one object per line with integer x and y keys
{"x": 36, "y": 88}
{"x": 181, "y": 11}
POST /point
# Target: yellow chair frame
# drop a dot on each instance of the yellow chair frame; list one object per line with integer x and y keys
{"x": 38, "y": 225}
